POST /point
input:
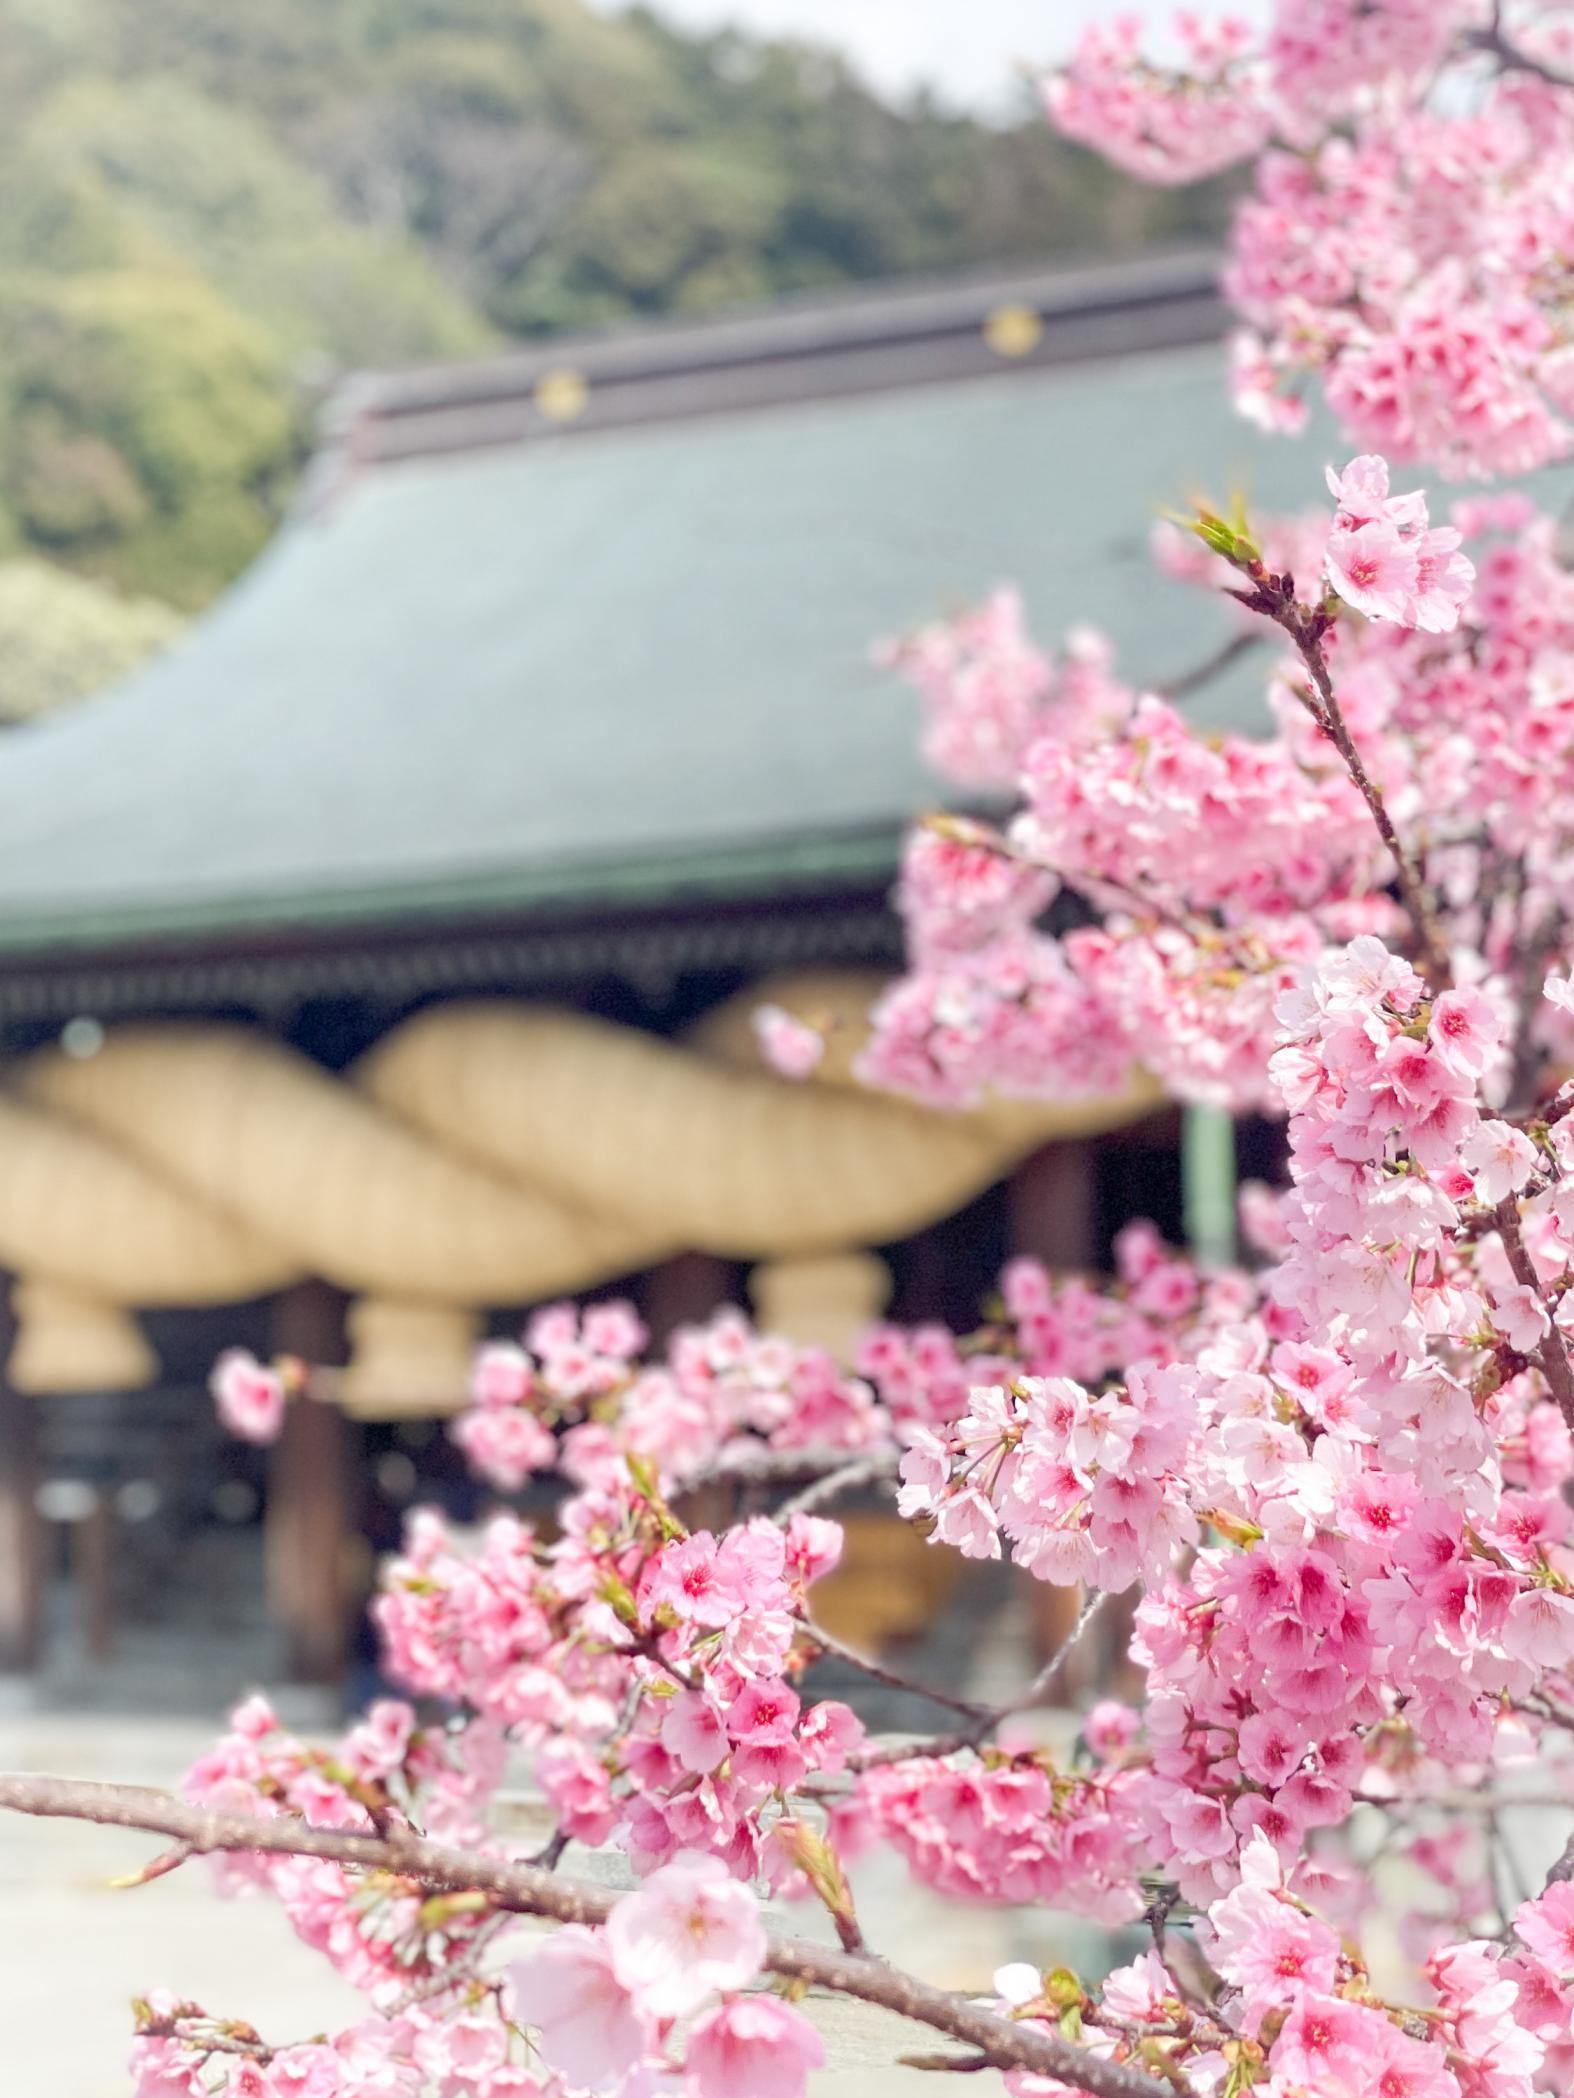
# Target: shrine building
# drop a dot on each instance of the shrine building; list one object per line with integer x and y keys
{"x": 378, "y": 962}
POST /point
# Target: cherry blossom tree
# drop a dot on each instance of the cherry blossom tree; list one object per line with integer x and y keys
{"x": 1333, "y": 1486}
{"x": 1406, "y": 238}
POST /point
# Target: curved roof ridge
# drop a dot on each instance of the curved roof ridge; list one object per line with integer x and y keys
{"x": 810, "y": 346}
{"x": 512, "y": 683}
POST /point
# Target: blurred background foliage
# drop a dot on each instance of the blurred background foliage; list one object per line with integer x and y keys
{"x": 212, "y": 207}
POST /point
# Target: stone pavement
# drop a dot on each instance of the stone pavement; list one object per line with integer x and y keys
{"x": 73, "y": 1950}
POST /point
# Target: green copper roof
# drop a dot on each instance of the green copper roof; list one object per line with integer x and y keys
{"x": 623, "y": 663}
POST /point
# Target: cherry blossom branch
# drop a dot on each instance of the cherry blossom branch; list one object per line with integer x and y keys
{"x": 1306, "y": 631}
{"x": 1551, "y": 1354}
{"x": 1526, "y": 1056}
{"x": 876, "y": 1469}
{"x": 833, "y": 1647}
{"x": 1273, "y": 596}
{"x": 1512, "y": 57}
{"x": 1034, "y": 1693}
{"x": 457, "y": 1974}
{"x": 1463, "y": 1802}
{"x": 754, "y": 1464}
{"x": 1563, "y": 1869}
{"x": 984, "y": 1725}
{"x": 212, "y": 2042}
{"x": 527, "y": 1890}
{"x": 1202, "y": 674}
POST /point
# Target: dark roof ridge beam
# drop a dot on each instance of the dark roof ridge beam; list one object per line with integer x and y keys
{"x": 776, "y": 335}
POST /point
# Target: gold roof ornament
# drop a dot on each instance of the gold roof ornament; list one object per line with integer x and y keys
{"x": 1014, "y": 331}
{"x": 562, "y": 395}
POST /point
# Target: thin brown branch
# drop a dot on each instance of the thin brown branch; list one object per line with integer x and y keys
{"x": 1526, "y": 1056}
{"x": 1463, "y": 1801}
{"x": 757, "y": 1464}
{"x": 1551, "y": 1355}
{"x": 835, "y": 1648}
{"x": 550, "y": 1855}
{"x": 1431, "y": 946}
{"x": 1308, "y": 627}
{"x": 216, "y": 2041}
{"x": 1512, "y": 57}
{"x": 167, "y": 1861}
{"x": 527, "y": 1890}
{"x": 1035, "y": 1691}
{"x": 877, "y": 1468}
{"x": 458, "y": 1974}
{"x": 1186, "y": 682}
{"x": 946, "y": 2064}
{"x": 986, "y": 1722}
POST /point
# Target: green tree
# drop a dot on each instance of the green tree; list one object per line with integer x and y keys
{"x": 213, "y": 208}
{"x": 62, "y": 637}
{"x": 151, "y": 427}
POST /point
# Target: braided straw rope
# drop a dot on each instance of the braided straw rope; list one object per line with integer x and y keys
{"x": 481, "y": 1153}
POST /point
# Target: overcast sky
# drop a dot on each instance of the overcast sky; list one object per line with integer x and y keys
{"x": 964, "y": 49}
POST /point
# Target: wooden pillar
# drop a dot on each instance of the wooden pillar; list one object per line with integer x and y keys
{"x": 93, "y": 1570}
{"x": 924, "y": 1276}
{"x": 684, "y": 1290}
{"x": 313, "y": 1497}
{"x": 21, "y": 1532}
{"x": 1052, "y": 1198}
{"x": 1051, "y": 1205}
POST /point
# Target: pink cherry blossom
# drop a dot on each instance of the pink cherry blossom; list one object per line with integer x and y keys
{"x": 250, "y": 1398}
{"x": 1546, "y": 1925}
{"x": 1398, "y": 2065}
{"x": 1500, "y": 1159}
{"x": 693, "y": 1731}
{"x": 692, "y": 1580}
{"x": 1384, "y": 558}
{"x": 756, "y": 2044}
{"x": 502, "y": 1375}
{"x": 690, "y": 1931}
{"x": 1539, "y": 1628}
{"x": 1463, "y": 1032}
{"x": 1395, "y": 252}
{"x": 590, "y": 2025}
{"x": 1268, "y": 1948}
{"x": 790, "y": 1045}
{"x": 504, "y": 1445}
{"x": 1325, "y": 2043}
{"x": 1333, "y": 1484}
{"x": 1373, "y": 569}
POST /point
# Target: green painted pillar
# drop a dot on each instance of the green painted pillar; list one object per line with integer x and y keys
{"x": 1208, "y": 1184}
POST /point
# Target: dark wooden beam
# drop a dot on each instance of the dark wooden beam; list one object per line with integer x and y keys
{"x": 684, "y": 1291}
{"x": 92, "y": 1546}
{"x": 21, "y": 1533}
{"x": 1051, "y": 1200}
{"x": 1050, "y": 1203}
{"x": 313, "y": 1498}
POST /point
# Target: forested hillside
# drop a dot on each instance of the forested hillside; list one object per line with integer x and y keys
{"x": 212, "y": 206}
